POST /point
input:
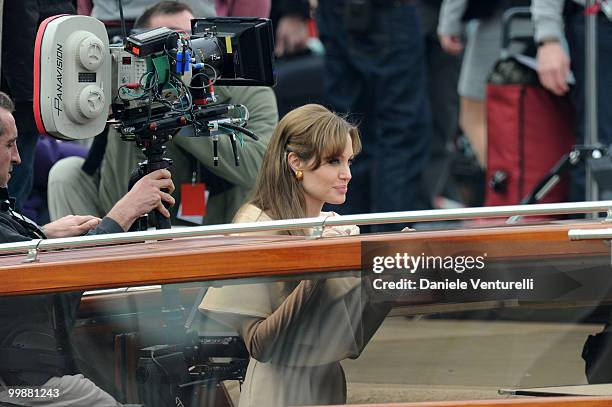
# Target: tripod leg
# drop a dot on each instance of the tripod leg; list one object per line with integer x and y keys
{"x": 549, "y": 181}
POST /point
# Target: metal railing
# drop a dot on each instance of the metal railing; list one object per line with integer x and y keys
{"x": 317, "y": 224}
{"x": 590, "y": 234}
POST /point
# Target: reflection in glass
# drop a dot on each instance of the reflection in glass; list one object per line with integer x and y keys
{"x": 296, "y": 334}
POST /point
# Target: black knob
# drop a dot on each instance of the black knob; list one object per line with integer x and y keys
{"x": 499, "y": 181}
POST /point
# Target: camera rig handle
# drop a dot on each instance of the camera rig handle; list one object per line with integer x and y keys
{"x": 155, "y": 161}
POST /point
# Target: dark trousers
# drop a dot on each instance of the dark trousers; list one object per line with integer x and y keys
{"x": 576, "y": 39}
{"x": 442, "y": 77}
{"x": 378, "y": 77}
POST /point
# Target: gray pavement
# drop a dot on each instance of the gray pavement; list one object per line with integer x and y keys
{"x": 426, "y": 360}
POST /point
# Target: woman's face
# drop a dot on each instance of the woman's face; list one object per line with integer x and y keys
{"x": 329, "y": 182}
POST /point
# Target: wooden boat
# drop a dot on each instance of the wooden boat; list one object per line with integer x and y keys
{"x": 126, "y": 309}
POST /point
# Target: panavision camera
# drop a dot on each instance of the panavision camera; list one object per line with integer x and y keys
{"x": 155, "y": 82}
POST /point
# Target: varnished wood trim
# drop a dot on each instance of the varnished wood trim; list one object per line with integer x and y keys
{"x": 200, "y": 259}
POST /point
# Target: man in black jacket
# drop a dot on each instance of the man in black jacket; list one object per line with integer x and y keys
{"x": 34, "y": 350}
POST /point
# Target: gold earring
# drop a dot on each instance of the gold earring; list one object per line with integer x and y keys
{"x": 299, "y": 175}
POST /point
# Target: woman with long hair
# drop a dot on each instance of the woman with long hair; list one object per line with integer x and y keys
{"x": 297, "y": 332}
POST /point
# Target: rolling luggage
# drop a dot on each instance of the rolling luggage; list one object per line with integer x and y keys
{"x": 529, "y": 128}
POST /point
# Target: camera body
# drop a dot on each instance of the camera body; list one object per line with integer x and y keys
{"x": 170, "y": 372}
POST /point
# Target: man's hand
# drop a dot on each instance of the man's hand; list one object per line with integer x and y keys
{"x": 71, "y": 225}
{"x": 144, "y": 196}
{"x": 291, "y": 35}
{"x": 553, "y": 67}
{"x": 451, "y": 44}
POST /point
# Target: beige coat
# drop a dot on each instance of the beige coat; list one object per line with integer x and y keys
{"x": 302, "y": 344}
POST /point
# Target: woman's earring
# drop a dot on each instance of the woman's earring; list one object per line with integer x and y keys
{"x": 299, "y": 175}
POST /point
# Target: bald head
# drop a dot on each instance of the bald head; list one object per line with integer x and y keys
{"x": 9, "y": 155}
{"x": 6, "y": 103}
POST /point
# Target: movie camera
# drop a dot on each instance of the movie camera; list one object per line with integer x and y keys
{"x": 155, "y": 83}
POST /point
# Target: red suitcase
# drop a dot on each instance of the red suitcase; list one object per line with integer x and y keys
{"x": 529, "y": 130}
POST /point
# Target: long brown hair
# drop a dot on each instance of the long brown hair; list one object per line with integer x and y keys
{"x": 311, "y": 132}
